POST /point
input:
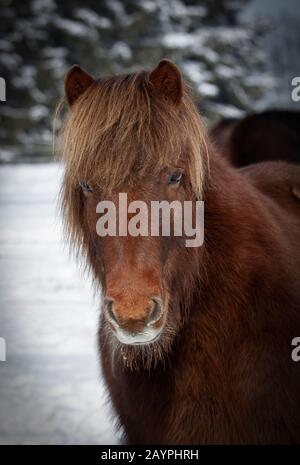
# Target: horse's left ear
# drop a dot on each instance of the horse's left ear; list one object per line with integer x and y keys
{"x": 167, "y": 81}
{"x": 77, "y": 81}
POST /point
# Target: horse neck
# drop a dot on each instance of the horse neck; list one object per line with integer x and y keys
{"x": 240, "y": 251}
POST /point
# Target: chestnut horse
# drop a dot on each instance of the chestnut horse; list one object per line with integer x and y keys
{"x": 270, "y": 135}
{"x": 195, "y": 343}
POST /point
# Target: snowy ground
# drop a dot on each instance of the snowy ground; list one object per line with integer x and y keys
{"x": 50, "y": 385}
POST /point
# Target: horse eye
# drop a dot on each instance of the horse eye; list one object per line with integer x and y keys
{"x": 175, "y": 177}
{"x": 85, "y": 187}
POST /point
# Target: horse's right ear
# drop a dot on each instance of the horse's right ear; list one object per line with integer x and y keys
{"x": 167, "y": 82}
{"x": 77, "y": 81}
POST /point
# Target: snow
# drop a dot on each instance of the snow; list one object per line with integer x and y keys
{"x": 121, "y": 50}
{"x": 42, "y": 6}
{"x": 178, "y": 40}
{"x": 38, "y": 112}
{"x": 7, "y": 155}
{"x": 5, "y": 45}
{"x": 75, "y": 28}
{"x": 50, "y": 386}
{"x": 92, "y": 18}
{"x": 26, "y": 78}
{"x": 207, "y": 89}
{"x": 228, "y": 111}
{"x": 10, "y": 60}
{"x": 226, "y": 72}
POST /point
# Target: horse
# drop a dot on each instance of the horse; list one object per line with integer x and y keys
{"x": 195, "y": 342}
{"x": 270, "y": 135}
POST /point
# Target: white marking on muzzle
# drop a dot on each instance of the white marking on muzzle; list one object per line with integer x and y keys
{"x": 147, "y": 336}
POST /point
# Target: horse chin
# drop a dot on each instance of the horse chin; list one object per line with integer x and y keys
{"x": 140, "y": 355}
{"x": 140, "y": 339}
{"x": 143, "y": 354}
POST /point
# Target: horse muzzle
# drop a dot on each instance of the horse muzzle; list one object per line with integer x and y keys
{"x": 134, "y": 327}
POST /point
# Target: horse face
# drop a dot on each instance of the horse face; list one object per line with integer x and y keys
{"x": 138, "y": 268}
{"x": 118, "y": 130}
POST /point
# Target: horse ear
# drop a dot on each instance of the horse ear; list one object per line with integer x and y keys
{"x": 167, "y": 81}
{"x": 77, "y": 81}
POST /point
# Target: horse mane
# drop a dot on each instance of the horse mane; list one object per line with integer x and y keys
{"x": 119, "y": 129}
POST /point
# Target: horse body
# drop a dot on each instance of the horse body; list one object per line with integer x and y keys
{"x": 219, "y": 369}
{"x": 230, "y": 369}
{"x": 270, "y": 135}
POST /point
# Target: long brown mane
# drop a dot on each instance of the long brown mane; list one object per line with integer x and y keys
{"x": 119, "y": 129}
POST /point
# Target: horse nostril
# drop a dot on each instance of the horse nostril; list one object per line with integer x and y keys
{"x": 156, "y": 311}
{"x": 109, "y": 308}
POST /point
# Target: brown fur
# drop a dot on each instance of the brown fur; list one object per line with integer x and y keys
{"x": 270, "y": 135}
{"x": 221, "y": 371}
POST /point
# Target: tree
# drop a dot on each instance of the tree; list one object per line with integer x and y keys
{"x": 42, "y": 38}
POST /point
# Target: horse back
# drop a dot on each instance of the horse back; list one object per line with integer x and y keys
{"x": 279, "y": 181}
{"x": 258, "y": 137}
{"x": 278, "y": 187}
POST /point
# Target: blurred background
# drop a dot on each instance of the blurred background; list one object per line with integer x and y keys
{"x": 238, "y": 55}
